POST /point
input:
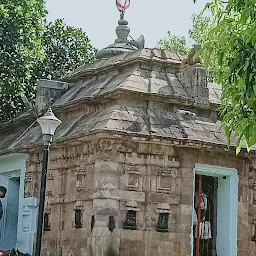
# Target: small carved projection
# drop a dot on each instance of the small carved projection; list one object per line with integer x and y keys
{"x": 133, "y": 181}
{"x": 164, "y": 184}
{"x": 130, "y": 222}
{"x": 162, "y": 222}
{"x": 81, "y": 181}
{"x": 167, "y": 180}
{"x": 28, "y": 184}
{"x": 111, "y": 223}
{"x": 78, "y": 218}
{"x": 47, "y": 226}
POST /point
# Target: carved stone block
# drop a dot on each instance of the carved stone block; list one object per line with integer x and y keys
{"x": 132, "y": 180}
{"x": 28, "y": 184}
{"x": 167, "y": 180}
{"x": 164, "y": 184}
{"x": 80, "y": 180}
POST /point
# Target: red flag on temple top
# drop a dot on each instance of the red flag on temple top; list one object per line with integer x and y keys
{"x": 122, "y": 5}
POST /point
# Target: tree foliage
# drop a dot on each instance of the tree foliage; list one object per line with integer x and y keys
{"x": 20, "y": 51}
{"x": 233, "y": 45}
{"x": 173, "y": 43}
{"x": 30, "y": 49}
{"x": 199, "y": 32}
{"x": 201, "y": 25}
{"x": 65, "y": 49}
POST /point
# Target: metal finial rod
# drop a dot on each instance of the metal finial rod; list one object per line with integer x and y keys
{"x": 122, "y": 15}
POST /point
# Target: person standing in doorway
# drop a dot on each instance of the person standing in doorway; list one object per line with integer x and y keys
{"x": 3, "y": 191}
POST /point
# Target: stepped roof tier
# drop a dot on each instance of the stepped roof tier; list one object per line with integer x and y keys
{"x": 149, "y": 93}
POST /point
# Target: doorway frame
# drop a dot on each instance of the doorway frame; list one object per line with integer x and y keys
{"x": 227, "y": 211}
{"x": 10, "y": 175}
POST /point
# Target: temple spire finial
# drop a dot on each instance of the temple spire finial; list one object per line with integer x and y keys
{"x": 121, "y": 44}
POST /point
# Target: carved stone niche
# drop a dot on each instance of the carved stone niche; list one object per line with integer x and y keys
{"x": 111, "y": 223}
{"x": 78, "y": 214}
{"x": 252, "y": 184}
{"x": 50, "y": 183}
{"x": 47, "y": 218}
{"x": 131, "y": 215}
{"x": 28, "y": 185}
{"x": 167, "y": 180}
{"x": 133, "y": 180}
{"x": 163, "y": 211}
{"x": 252, "y": 178}
{"x": 81, "y": 180}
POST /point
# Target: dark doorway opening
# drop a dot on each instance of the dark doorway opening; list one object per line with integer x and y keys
{"x": 205, "y": 216}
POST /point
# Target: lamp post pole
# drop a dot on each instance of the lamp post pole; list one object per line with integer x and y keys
{"x": 49, "y": 123}
{"x": 42, "y": 199}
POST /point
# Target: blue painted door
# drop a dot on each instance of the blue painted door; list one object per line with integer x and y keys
{"x": 10, "y": 218}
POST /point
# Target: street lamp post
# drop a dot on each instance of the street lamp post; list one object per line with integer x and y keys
{"x": 49, "y": 123}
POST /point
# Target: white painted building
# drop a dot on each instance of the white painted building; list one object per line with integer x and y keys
{"x": 18, "y": 224}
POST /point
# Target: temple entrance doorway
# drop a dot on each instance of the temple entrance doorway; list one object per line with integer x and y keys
{"x": 215, "y": 209}
{"x": 205, "y": 216}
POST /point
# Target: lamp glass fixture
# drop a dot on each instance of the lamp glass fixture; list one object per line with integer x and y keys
{"x": 49, "y": 122}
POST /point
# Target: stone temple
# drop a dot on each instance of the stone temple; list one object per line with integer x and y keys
{"x": 139, "y": 166}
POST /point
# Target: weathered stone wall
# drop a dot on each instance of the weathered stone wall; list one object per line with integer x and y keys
{"x": 108, "y": 177}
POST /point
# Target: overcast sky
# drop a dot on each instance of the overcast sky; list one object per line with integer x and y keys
{"x": 151, "y": 18}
